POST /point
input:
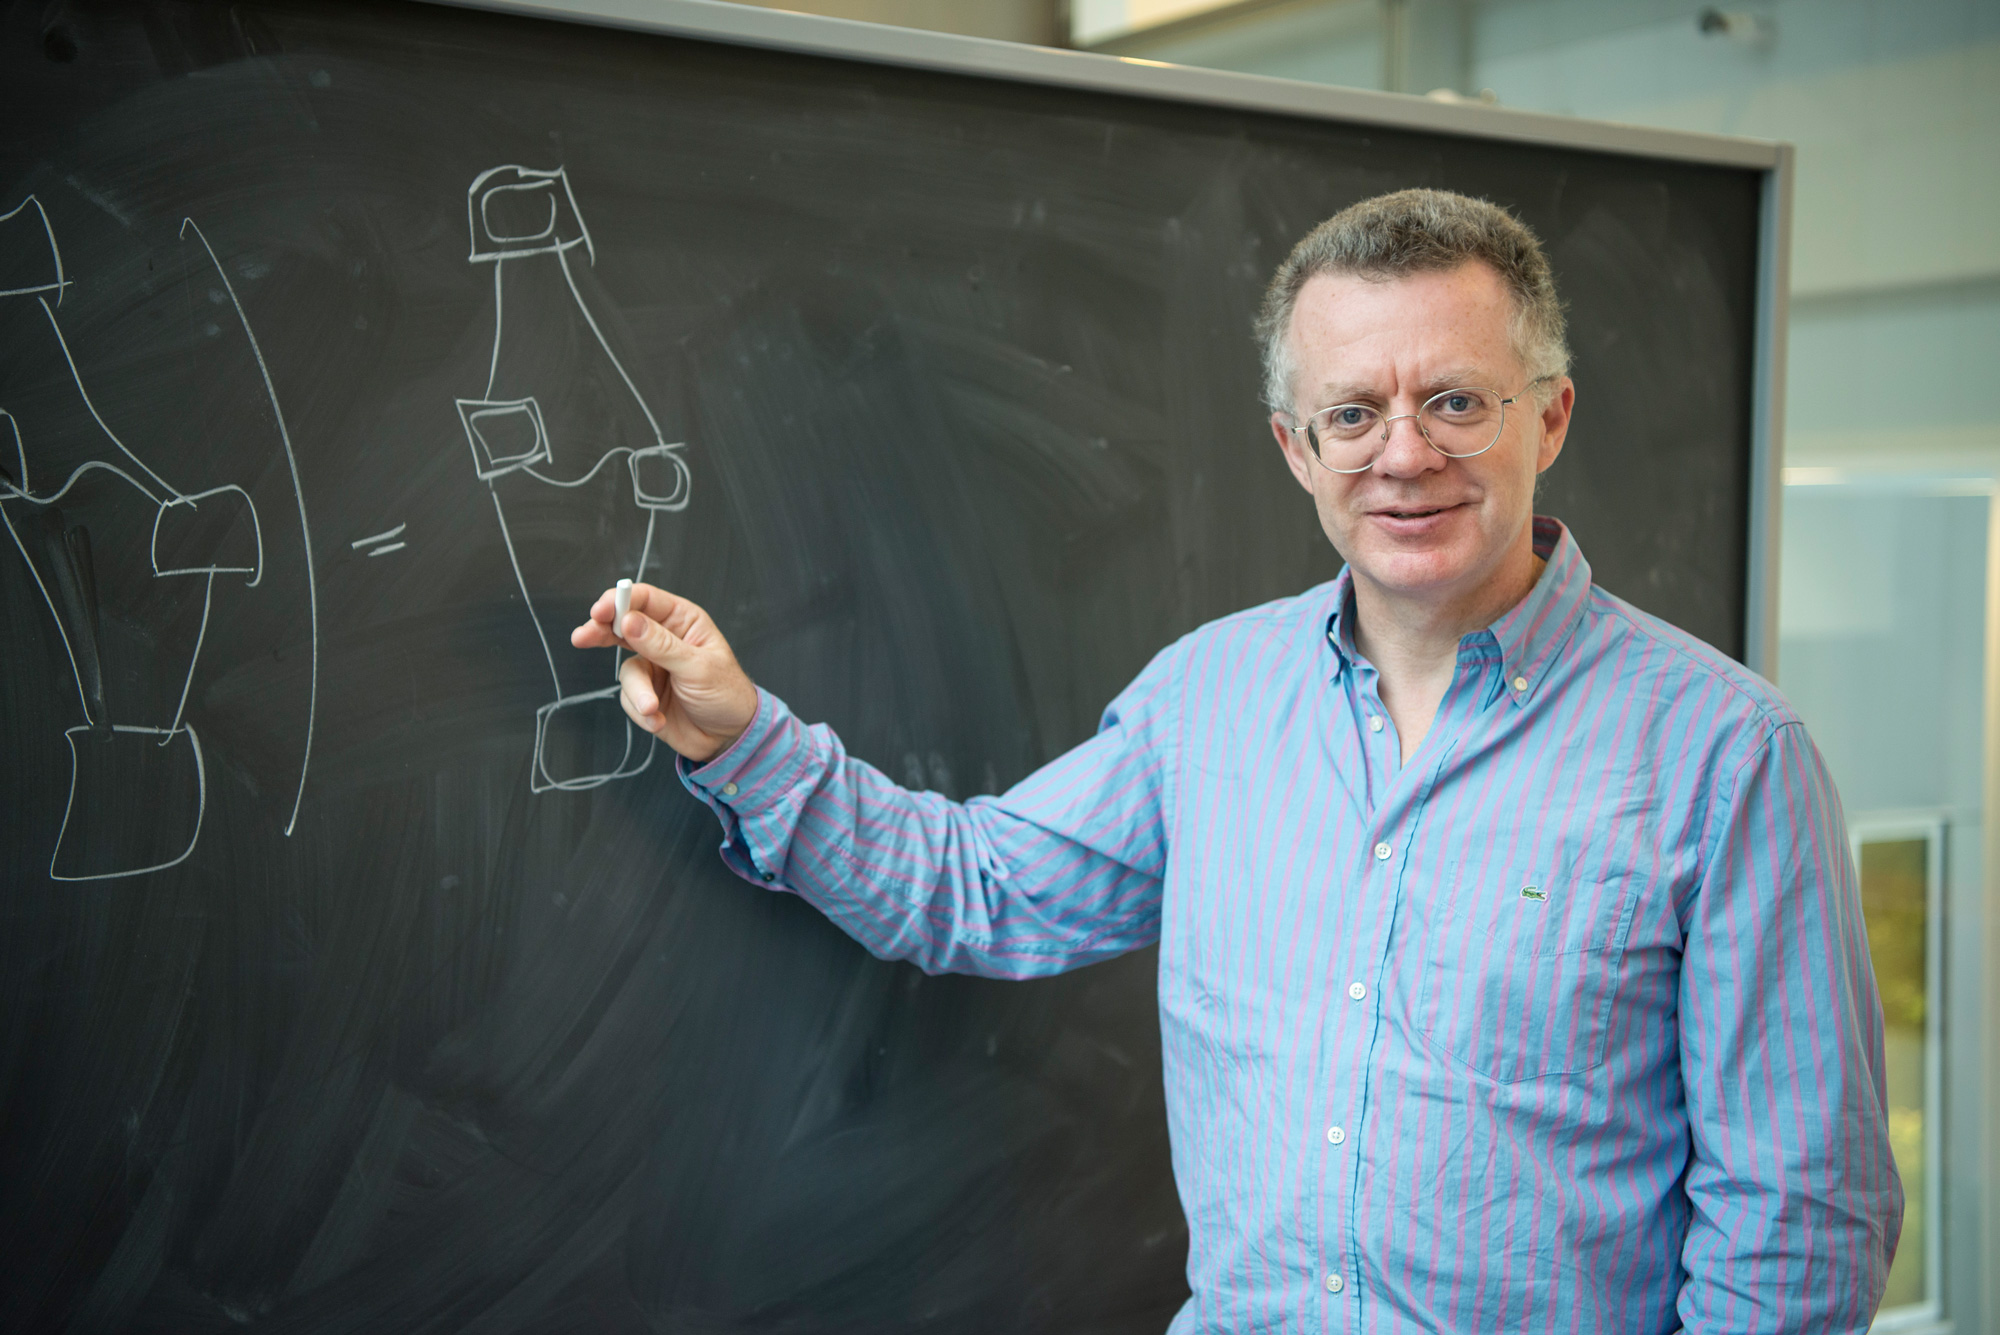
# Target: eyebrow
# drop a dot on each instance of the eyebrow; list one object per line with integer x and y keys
{"x": 1457, "y": 377}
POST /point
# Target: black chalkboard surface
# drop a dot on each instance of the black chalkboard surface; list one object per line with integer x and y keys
{"x": 362, "y": 970}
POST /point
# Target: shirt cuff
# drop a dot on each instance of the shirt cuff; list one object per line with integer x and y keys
{"x": 751, "y": 786}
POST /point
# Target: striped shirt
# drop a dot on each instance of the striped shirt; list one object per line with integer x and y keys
{"x": 1566, "y": 1024}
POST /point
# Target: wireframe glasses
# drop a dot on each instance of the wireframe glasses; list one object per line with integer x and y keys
{"x": 1457, "y": 423}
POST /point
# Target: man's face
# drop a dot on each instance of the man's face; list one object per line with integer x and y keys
{"x": 1420, "y": 527}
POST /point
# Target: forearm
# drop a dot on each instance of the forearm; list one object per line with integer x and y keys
{"x": 994, "y": 886}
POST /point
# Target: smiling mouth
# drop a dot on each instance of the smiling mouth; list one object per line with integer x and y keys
{"x": 1414, "y": 514}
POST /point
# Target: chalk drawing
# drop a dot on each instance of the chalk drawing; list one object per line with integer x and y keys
{"x": 167, "y": 508}
{"x": 63, "y": 571}
{"x": 298, "y": 493}
{"x": 381, "y": 544}
{"x": 521, "y": 215}
{"x": 56, "y": 281}
{"x": 181, "y": 732}
{"x": 76, "y": 376}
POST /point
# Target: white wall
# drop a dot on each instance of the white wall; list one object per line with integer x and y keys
{"x": 1882, "y": 617}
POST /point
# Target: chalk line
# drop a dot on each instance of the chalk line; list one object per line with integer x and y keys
{"x": 82, "y": 695}
{"x": 194, "y": 659}
{"x": 298, "y": 491}
{"x": 9, "y": 492}
{"x": 84, "y": 394}
{"x": 61, "y": 284}
{"x": 522, "y": 580}
{"x": 200, "y": 810}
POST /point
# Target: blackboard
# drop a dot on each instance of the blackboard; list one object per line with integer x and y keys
{"x": 361, "y": 970}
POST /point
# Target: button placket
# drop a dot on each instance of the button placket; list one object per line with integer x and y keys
{"x": 1397, "y": 795}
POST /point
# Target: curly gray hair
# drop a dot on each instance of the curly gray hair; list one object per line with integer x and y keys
{"x": 1419, "y": 231}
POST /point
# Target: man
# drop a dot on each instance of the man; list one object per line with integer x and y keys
{"x": 1512, "y": 969}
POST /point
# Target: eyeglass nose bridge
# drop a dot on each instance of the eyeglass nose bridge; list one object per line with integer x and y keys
{"x": 1389, "y": 425}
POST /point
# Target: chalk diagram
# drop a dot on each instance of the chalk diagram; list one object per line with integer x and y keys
{"x": 524, "y": 428}
{"x": 120, "y": 765}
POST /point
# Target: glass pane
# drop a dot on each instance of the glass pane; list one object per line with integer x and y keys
{"x": 1895, "y": 901}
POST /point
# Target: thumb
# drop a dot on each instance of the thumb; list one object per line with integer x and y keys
{"x": 655, "y": 643}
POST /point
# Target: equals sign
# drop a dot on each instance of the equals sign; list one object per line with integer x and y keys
{"x": 383, "y": 543}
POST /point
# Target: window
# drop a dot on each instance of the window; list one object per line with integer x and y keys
{"x": 1901, "y": 864}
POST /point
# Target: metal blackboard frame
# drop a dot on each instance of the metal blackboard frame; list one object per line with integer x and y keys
{"x": 847, "y": 39}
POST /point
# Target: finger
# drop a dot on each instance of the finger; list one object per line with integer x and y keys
{"x": 638, "y": 690}
{"x": 652, "y": 723}
{"x": 655, "y": 643}
{"x": 680, "y": 615}
{"x": 598, "y": 632}
{"x": 605, "y": 609}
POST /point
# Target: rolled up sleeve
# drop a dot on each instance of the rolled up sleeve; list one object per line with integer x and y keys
{"x": 1062, "y": 870}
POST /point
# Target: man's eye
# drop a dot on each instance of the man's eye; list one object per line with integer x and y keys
{"x": 1348, "y": 418}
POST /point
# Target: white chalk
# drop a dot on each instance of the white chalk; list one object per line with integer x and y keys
{"x": 624, "y": 599}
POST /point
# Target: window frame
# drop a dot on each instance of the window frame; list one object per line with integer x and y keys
{"x": 1932, "y": 827}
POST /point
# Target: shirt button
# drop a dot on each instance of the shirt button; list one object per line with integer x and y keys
{"x": 1382, "y": 852}
{"x": 1374, "y": 723}
{"x": 729, "y": 790}
{"x": 1357, "y": 990}
{"x": 1520, "y": 683}
{"x": 1333, "y": 1284}
{"x": 1335, "y": 1135}
{"x": 770, "y": 876}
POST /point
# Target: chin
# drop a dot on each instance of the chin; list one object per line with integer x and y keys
{"x": 1415, "y": 573}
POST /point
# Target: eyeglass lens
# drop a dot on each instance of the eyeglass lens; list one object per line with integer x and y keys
{"x": 1458, "y": 423}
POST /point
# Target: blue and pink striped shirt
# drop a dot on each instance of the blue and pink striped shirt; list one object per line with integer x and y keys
{"x": 1567, "y": 1024}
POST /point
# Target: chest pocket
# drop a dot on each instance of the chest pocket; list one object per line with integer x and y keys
{"x": 1519, "y": 977}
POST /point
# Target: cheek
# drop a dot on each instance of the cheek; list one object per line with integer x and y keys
{"x": 1512, "y": 481}
{"x": 1328, "y": 494}
{"x": 1336, "y": 518}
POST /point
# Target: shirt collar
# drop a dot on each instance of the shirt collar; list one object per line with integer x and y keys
{"x": 1531, "y": 631}
{"x": 1528, "y": 634}
{"x": 1340, "y": 621}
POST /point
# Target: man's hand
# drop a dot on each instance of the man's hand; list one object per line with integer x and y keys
{"x": 685, "y": 687}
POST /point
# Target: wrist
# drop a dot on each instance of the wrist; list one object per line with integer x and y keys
{"x": 712, "y": 745}
{"x": 723, "y": 747}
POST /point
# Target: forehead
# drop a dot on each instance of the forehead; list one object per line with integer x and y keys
{"x": 1346, "y": 328}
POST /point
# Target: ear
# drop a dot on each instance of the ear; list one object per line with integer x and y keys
{"x": 1555, "y": 424}
{"x": 1298, "y": 456}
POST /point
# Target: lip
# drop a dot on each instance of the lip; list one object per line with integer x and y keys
{"x": 1415, "y": 522}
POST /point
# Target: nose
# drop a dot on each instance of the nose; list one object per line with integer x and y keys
{"x": 1406, "y": 452}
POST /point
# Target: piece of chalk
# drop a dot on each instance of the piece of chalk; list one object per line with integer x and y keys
{"x": 624, "y": 599}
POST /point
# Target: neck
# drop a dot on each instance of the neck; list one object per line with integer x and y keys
{"x": 1413, "y": 642}
{"x": 1391, "y": 625}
